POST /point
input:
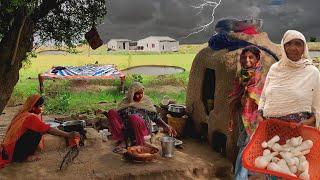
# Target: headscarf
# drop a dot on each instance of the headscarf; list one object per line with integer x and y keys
{"x": 290, "y": 75}
{"x": 285, "y": 62}
{"x": 285, "y": 68}
{"x": 14, "y": 130}
{"x": 144, "y": 103}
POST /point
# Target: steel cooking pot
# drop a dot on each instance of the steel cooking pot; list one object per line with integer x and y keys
{"x": 176, "y": 110}
{"x": 75, "y": 125}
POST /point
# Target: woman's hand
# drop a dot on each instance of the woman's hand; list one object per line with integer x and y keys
{"x": 73, "y": 134}
{"x": 171, "y": 131}
{"x": 73, "y": 139}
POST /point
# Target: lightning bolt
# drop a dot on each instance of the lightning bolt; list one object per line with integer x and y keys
{"x": 200, "y": 7}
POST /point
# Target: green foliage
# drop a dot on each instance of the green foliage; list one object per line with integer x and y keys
{"x": 72, "y": 50}
{"x": 313, "y": 39}
{"x": 180, "y": 79}
{"x": 137, "y": 78}
{"x": 83, "y": 42}
{"x": 102, "y": 94}
{"x": 68, "y": 23}
{"x": 58, "y": 104}
{"x": 27, "y": 61}
{"x": 62, "y": 22}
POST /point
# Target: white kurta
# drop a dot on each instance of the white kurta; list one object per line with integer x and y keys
{"x": 291, "y": 86}
{"x": 299, "y": 92}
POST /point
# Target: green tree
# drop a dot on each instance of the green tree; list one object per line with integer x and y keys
{"x": 313, "y": 39}
{"x": 63, "y": 22}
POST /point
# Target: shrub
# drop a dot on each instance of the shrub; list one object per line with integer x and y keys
{"x": 58, "y": 104}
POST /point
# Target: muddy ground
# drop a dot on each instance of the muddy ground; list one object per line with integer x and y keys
{"x": 97, "y": 161}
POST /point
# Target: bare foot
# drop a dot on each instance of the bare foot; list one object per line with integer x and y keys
{"x": 33, "y": 158}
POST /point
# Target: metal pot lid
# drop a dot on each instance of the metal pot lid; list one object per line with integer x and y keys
{"x": 53, "y": 123}
{"x": 176, "y": 106}
{"x": 74, "y": 122}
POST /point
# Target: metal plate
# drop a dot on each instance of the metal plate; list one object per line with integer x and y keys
{"x": 177, "y": 142}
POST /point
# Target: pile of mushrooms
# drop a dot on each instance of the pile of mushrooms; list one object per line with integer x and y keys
{"x": 288, "y": 158}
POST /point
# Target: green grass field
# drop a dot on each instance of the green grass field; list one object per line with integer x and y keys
{"x": 76, "y": 97}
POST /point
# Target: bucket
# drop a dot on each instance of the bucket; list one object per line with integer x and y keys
{"x": 167, "y": 146}
{"x": 93, "y": 38}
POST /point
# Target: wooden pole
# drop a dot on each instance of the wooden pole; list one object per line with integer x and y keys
{"x": 41, "y": 87}
{"x": 122, "y": 80}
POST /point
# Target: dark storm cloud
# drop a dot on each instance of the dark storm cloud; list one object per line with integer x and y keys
{"x": 136, "y": 19}
{"x": 293, "y": 14}
{"x": 124, "y": 12}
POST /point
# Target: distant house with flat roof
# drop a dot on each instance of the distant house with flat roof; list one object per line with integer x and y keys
{"x": 121, "y": 44}
{"x": 158, "y": 44}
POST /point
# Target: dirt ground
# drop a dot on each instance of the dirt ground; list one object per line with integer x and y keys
{"x": 97, "y": 161}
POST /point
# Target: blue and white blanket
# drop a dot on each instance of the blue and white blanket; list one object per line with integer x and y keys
{"x": 88, "y": 70}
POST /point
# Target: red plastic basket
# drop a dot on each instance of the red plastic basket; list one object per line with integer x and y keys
{"x": 269, "y": 128}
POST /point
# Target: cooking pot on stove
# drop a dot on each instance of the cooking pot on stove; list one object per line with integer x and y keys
{"x": 176, "y": 110}
{"x": 75, "y": 125}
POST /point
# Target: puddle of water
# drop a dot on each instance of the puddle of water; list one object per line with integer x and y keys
{"x": 314, "y": 54}
{"x": 53, "y": 52}
{"x": 154, "y": 70}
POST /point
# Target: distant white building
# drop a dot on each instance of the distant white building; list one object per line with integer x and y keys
{"x": 158, "y": 44}
{"x": 119, "y": 44}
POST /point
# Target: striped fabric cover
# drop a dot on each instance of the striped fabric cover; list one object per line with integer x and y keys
{"x": 86, "y": 72}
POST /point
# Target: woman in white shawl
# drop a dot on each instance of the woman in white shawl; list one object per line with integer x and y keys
{"x": 292, "y": 88}
{"x": 137, "y": 112}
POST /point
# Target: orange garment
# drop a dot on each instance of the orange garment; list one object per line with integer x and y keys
{"x": 23, "y": 121}
{"x": 13, "y": 132}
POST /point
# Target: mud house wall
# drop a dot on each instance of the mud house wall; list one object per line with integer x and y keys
{"x": 226, "y": 68}
{"x": 206, "y": 58}
{"x": 194, "y": 105}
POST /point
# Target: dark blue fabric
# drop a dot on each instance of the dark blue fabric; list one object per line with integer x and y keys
{"x": 222, "y": 41}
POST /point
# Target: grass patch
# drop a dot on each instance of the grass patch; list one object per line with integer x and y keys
{"x": 79, "y": 97}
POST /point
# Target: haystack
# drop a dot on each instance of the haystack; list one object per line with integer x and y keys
{"x": 210, "y": 82}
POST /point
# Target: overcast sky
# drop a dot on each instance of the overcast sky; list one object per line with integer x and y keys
{"x": 137, "y": 19}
